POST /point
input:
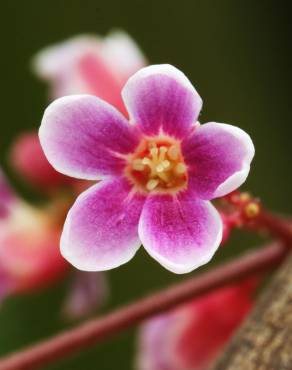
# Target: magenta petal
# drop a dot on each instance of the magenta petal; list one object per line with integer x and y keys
{"x": 160, "y": 98}
{"x": 181, "y": 233}
{"x": 83, "y": 136}
{"x": 218, "y": 157}
{"x": 88, "y": 292}
{"x": 101, "y": 229}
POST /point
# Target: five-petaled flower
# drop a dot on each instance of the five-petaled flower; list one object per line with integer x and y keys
{"x": 158, "y": 173}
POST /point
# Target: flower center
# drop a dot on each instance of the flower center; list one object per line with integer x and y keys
{"x": 158, "y": 165}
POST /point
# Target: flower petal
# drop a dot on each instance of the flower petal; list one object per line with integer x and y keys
{"x": 29, "y": 252}
{"x": 218, "y": 158}
{"x": 88, "y": 292}
{"x": 83, "y": 136}
{"x": 156, "y": 343}
{"x": 101, "y": 229}
{"x": 122, "y": 53}
{"x": 181, "y": 233}
{"x": 78, "y": 66}
{"x": 56, "y": 61}
{"x": 191, "y": 336}
{"x": 160, "y": 98}
{"x": 88, "y": 64}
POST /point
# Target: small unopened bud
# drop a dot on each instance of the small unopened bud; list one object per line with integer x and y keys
{"x": 252, "y": 210}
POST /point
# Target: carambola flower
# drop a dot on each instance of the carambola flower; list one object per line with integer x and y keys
{"x": 190, "y": 337}
{"x": 159, "y": 172}
{"x": 30, "y": 258}
{"x": 28, "y": 160}
{"x": 90, "y": 64}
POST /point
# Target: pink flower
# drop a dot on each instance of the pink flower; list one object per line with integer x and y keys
{"x": 30, "y": 257}
{"x": 29, "y": 253}
{"x": 29, "y": 238}
{"x": 28, "y": 159}
{"x": 87, "y": 291}
{"x": 191, "y": 337}
{"x": 83, "y": 64}
{"x": 159, "y": 172}
{"x": 90, "y": 64}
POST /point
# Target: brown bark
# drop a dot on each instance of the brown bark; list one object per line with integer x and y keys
{"x": 264, "y": 342}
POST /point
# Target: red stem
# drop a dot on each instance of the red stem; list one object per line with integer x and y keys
{"x": 275, "y": 225}
{"x": 74, "y": 340}
{"x": 244, "y": 210}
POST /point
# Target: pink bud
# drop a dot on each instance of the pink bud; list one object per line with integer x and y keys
{"x": 29, "y": 249}
{"x": 28, "y": 159}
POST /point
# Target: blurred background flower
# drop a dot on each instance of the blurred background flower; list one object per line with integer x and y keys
{"x": 190, "y": 337}
{"x": 30, "y": 256}
{"x": 89, "y": 64}
{"x": 237, "y": 55}
{"x": 29, "y": 236}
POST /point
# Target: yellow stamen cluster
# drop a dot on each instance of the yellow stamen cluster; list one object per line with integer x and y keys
{"x": 159, "y": 165}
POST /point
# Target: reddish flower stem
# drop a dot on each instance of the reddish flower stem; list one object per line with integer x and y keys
{"x": 93, "y": 331}
{"x": 275, "y": 225}
{"x": 242, "y": 210}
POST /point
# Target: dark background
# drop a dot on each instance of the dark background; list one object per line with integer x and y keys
{"x": 237, "y": 54}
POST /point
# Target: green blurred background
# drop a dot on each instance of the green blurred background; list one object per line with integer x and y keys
{"x": 236, "y": 53}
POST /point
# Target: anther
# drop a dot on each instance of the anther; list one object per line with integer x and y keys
{"x": 163, "y": 176}
{"x": 162, "y": 152}
{"x": 180, "y": 168}
{"x": 252, "y": 210}
{"x": 245, "y": 196}
{"x": 151, "y": 184}
{"x": 146, "y": 161}
{"x": 165, "y": 164}
{"x": 160, "y": 168}
{"x": 154, "y": 153}
{"x": 138, "y": 165}
{"x": 173, "y": 153}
